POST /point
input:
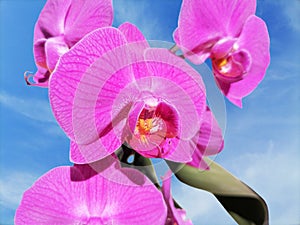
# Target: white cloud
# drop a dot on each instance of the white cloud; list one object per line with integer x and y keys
{"x": 283, "y": 68}
{"x": 274, "y": 173}
{"x": 31, "y": 108}
{"x": 12, "y": 186}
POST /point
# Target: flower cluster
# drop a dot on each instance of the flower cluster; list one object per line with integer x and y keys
{"x": 110, "y": 92}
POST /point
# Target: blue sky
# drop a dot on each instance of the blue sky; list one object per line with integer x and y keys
{"x": 261, "y": 140}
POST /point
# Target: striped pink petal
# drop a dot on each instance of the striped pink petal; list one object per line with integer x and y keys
{"x": 89, "y": 194}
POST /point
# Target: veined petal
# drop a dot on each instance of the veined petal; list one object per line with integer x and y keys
{"x": 98, "y": 115}
{"x": 183, "y": 150}
{"x": 175, "y": 216}
{"x": 99, "y": 193}
{"x": 172, "y": 74}
{"x": 139, "y": 44}
{"x": 51, "y": 21}
{"x": 239, "y": 13}
{"x": 209, "y": 140}
{"x": 130, "y": 197}
{"x": 132, "y": 33}
{"x": 82, "y": 154}
{"x": 85, "y": 16}
{"x": 255, "y": 40}
{"x": 72, "y": 66}
{"x": 97, "y": 99}
{"x": 103, "y": 99}
{"x": 53, "y": 199}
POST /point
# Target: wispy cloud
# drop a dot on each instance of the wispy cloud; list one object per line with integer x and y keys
{"x": 12, "y": 186}
{"x": 31, "y": 108}
{"x": 292, "y": 11}
{"x": 283, "y": 67}
{"x": 34, "y": 109}
{"x": 274, "y": 173}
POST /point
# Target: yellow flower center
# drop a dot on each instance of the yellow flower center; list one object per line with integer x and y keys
{"x": 223, "y": 66}
{"x": 222, "y": 62}
{"x": 144, "y": 126}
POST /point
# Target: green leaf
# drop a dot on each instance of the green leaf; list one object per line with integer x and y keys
{"x": 244, "y": 205}
{"x": 145, "y": 166}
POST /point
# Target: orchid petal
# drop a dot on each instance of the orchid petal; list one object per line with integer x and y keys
{"x": 82, "y": 154}
{"x": 39, "y": 52}
{"x": 85, "y": 16}
{"x": 48, "y": 26}
{"x": 209, "y": 140}
{"x": 100, "y": 193}
{"x": 44, "y": 202}
{"x": 101, "y": 112}
{"x": 132, "y": 33}
{"x": 175, "y": 216}
{"x": 72, "y": 66}
{"x": 51, "y": 20}
{"x": 173, "y": 74}
{"x": 183, "y": 151}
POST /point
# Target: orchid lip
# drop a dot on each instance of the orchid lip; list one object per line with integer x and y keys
{"x": 229, "y": 62}
{"x": 223, "y": 70}
{"x": 152, "y": 120}
{"x": 153, "y": 125}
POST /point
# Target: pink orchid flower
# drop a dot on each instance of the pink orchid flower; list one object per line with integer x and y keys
{"x": 227, "y": 32}
{"x": 61, "y": 24}
{"x": 101, "y": 193}
{"x": 209, "y": 141}
{"x": 111, "y": 88}
{"x": 175, "y": 216}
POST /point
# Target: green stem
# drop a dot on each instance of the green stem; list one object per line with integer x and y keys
{"x": 140, "y": 163}
{"x": 244, "y": 205}
{"x": 174, "y": 48}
